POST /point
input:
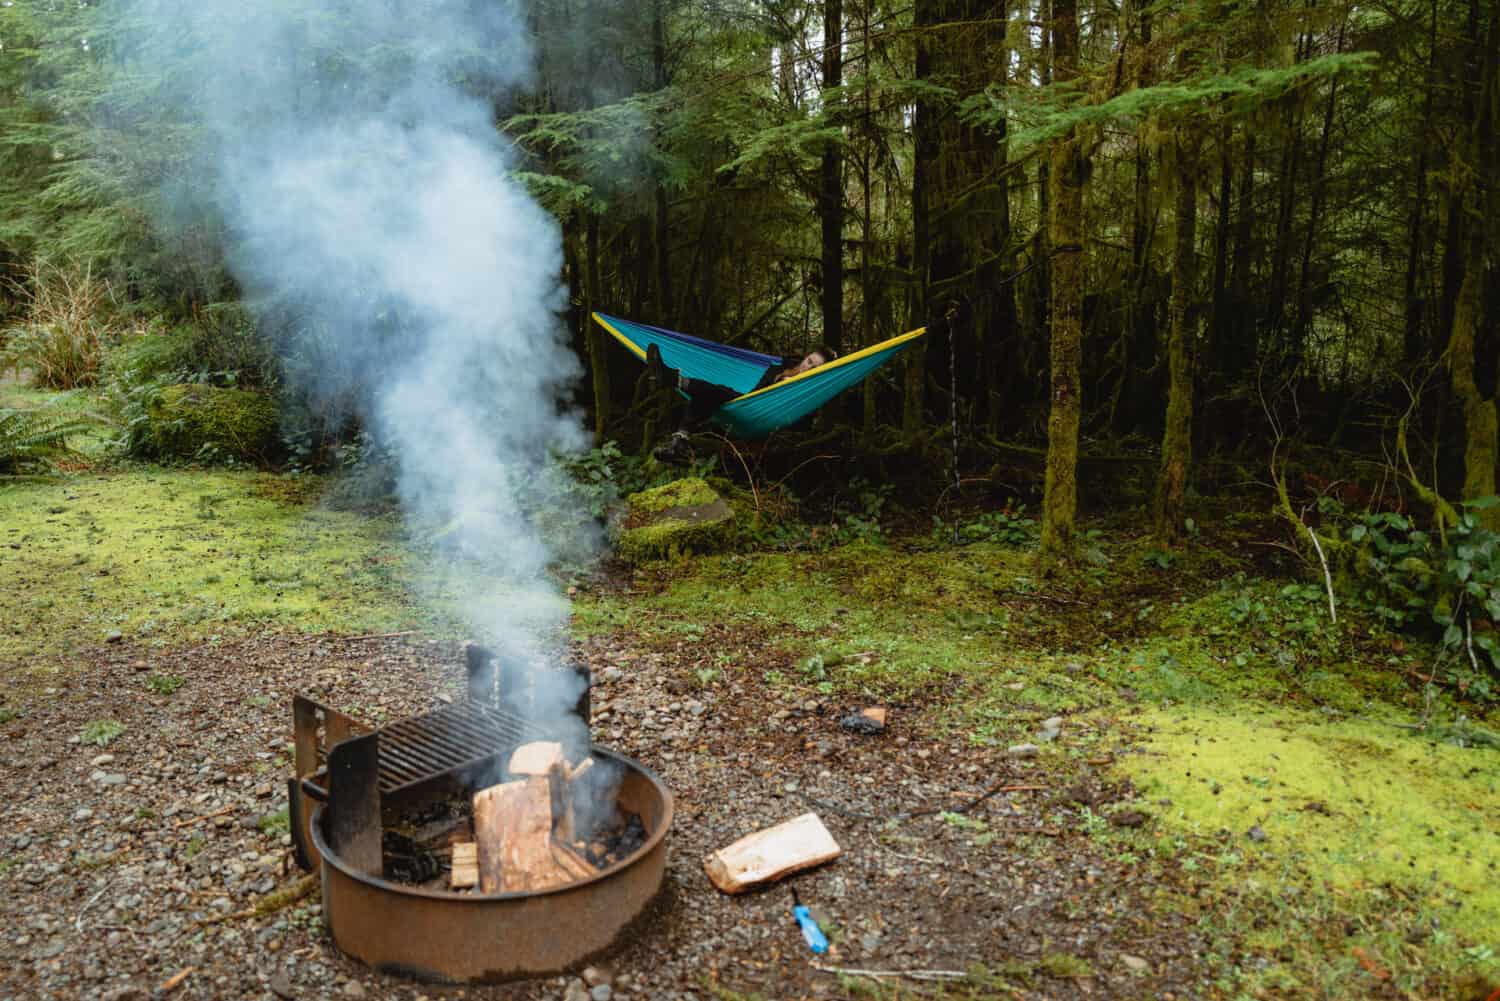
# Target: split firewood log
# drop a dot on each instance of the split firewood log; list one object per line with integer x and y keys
{"x": 772, "y": 854}
{"x": 513, "y": 828}
{"x": 465, "y": 872}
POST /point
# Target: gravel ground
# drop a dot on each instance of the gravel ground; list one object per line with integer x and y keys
{"x": 118, "y": 857}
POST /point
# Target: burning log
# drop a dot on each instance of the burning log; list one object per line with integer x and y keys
{"x": 771, "y": 854}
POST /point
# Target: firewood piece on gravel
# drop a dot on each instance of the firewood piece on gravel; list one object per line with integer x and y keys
{"x": 465, "y": 872}
{"x": 871, "y": 720}
{"x": 771, "y": 854}
{"x": 536, "y": 758}
{"x": 513, "y": 827}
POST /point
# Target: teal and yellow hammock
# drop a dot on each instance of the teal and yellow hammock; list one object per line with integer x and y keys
{"x": 759, "y": 411}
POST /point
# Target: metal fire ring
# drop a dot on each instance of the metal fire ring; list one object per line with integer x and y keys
{"x": 447, "y": 937}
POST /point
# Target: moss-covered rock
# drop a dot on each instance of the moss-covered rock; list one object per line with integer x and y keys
{"x": 685, "y": 516}
{"x": 188, "y": 421}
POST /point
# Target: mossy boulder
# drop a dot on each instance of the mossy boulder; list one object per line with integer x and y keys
{"x": 191, "y": 421}
{"x": 685, "y": 516}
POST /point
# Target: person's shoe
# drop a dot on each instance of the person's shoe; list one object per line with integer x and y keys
{"x": 676, "y": 450}
{"x": 656, "y": 367}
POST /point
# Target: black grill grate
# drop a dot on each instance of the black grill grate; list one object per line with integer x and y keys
{"x": 453, "y": 737}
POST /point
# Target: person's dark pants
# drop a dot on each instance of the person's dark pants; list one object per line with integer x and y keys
{"x": 703, "y": 398}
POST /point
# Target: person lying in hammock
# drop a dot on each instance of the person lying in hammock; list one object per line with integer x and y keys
{"x": 703, "y": 397}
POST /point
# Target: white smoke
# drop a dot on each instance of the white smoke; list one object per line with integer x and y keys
{"x": 351, "y": 153}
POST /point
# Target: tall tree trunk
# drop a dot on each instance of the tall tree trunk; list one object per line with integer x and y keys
{"x": 664, "y": 302}
{"x": 1060, "y": 498}
{"x": 924, "y": 143}
{"x": 831, "y": 181}
{"x": 1314, "y": 218}
{"x": 1480, "y": 424}
{"x": 1478, "y": 199}
{"x": 1044, "y": 196}
{"x": 1002, "y": 332}
{"x": 1414, "y": 345}
{"x": 1244, "y": 352}
{"x": 598, "y": 349}
{"x": 1281, "y": 249}
{"x": 866, "y": 284}
{"x": 1177, "y": 440}
{"x": 1222, "y": 324}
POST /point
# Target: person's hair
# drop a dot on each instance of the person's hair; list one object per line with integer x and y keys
{"x": 827, "y": 352}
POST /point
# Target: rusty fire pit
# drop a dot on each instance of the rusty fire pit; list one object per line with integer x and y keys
{"x": 354, "y": 782}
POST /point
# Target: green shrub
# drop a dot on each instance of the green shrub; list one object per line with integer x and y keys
{"x": 221, "y": 346}
{"x": 199, "y": 422}
{"x": 1445, "y": 586}
{"x": 67, "y": 326}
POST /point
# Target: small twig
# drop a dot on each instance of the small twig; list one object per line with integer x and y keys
{"x": 936, "y": 975}
{"x": 814, "y": 458}
{"x": 1327, "y": 577}
{"x": 381, "y": 636}
{"x": 207, "y": 816}
{"x": 1469, "y": 641}
{"x": 172, "y": 982}
{"x": 754, "y": 493}
{"x": 78, "y": 921}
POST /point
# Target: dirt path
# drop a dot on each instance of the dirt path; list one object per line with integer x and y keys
{"x": 108, "y": 875}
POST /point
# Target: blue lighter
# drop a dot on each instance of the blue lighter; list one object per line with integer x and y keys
{"x": 810, "y": 930}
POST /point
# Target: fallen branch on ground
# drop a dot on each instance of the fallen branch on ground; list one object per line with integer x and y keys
{"x": 276, "y": 900}
{"x": 934, "y": 975}
{"x": 1327, "y": 577}
{"x": 203, "y": 817}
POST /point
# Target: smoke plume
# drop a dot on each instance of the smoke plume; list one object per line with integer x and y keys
{"x": 350, "y": 152}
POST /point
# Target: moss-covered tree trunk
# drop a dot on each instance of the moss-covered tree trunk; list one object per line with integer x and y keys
{"x": 1480, "y": 424}
{"x": 1478, "y": 201}
{"x": 1177, "y": 439}
{"x": 1065, "y": 224}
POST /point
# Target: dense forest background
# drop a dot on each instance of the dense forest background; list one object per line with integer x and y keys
{"x": 1187, "y": 234}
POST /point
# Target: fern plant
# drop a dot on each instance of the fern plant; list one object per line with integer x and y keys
{"x": 29, "y": 437}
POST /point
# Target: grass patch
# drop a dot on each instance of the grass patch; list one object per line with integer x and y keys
{"x": 165, "y": 684}
{"x": 274, "y": 823}
{"x": 101, "y": 732}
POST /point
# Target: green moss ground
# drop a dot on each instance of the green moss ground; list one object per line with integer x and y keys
{"x": 1359, "y": 804}
{"x": 167, "y": 556}
{"x": 1235, "y": 701}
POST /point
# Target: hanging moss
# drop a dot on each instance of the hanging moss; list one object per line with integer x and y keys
{"x": 193, "y": 421}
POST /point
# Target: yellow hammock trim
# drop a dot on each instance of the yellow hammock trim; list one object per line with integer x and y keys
{"x": 634, "y": 348}
{"x": 829, "y": 366}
